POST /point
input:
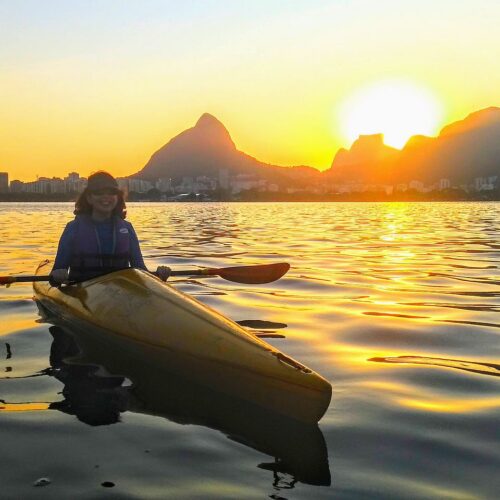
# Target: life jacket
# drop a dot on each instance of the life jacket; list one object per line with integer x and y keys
{"x": 87, "y": 260}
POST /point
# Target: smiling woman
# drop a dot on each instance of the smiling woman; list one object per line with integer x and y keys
{"x": 396, "y": 108}
{"x": 99, "y": 241}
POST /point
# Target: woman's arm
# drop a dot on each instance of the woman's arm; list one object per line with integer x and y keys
{"x": 136, "y": 259}
{"x": 64, "y": 249}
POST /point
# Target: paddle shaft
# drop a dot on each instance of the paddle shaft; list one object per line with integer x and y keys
{"x": 244, "y": 274}
{"x": 29, "y": 279}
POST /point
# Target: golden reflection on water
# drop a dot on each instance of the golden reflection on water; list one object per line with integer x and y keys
{"x": 451, "y": 405}
{"x": 24, "y": 406}
{"x": 13, "y": 323}
{"x": 404, "y": 396}
{"x": 395, "y": 304}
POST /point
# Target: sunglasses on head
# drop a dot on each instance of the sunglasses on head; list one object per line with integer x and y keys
{"x": 104, "y": 191}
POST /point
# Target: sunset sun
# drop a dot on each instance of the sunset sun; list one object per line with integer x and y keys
{"x": 398, "y": 109}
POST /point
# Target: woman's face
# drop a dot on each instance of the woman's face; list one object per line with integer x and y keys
{"x": 103, "y": 202}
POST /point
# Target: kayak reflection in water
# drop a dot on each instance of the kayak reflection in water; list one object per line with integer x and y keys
{"x": 96, "y": 397}
{"x": 99, "y": 240}
{"x": 93, "y": 399}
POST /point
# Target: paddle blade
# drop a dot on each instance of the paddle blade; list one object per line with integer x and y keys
{"x": 254, "y": 275}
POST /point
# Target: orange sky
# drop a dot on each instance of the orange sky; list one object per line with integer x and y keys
{"x": 88, "y": 86}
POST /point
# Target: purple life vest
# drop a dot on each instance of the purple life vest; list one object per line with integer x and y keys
{"x": 87, "y": 259}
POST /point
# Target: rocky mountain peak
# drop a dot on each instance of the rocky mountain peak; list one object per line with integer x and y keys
{"x": 207, "y": 120}
{"x": 210, "y": 132}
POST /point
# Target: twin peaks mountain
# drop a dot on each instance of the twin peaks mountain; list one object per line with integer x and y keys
{"x": 462, "y": 151}
{"x": 205, "y": 150}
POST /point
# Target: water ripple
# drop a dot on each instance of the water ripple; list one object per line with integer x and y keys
{"x": 394, "y": 303}
{"x": 490, "y": 369}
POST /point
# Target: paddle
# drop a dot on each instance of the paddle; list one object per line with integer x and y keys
{"x": 243, "y": 274}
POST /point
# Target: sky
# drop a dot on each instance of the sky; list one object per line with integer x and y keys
{"x": 103, "y": 84}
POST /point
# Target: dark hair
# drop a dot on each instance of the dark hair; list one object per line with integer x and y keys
{"x": 82, "y": 206}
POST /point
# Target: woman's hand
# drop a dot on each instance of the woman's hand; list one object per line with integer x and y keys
{"x": 163, "y": 272}
{"x": 58, "y": 277}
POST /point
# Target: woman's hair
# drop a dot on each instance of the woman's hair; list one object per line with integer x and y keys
{"x": 82, "y": 206}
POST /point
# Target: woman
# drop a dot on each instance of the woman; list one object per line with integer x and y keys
{"x": 98, "y": 240}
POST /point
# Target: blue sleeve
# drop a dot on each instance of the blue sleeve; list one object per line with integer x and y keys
{"x": 63, "y": 256}
{"x": 136, "y": 259}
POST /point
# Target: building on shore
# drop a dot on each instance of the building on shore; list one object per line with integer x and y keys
{"x": 73, "y": 183}
{"x": 16, "y": 186}
{"x": 486, "y": 183}
{"x": 4, "y": 182}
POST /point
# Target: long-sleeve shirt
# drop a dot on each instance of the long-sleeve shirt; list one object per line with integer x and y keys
{"x": 105, "y": 234}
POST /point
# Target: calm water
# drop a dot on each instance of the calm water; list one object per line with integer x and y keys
{"x": 396, "y": 304}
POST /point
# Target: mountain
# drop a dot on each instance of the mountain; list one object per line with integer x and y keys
{"x": 479, "y": 119}
{"x": 462, "y": 151}
{"x": 205, "y": 150}
{"x": 368, "y": 160}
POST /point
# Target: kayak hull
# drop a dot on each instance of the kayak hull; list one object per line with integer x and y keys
{"x": 137, "y": 313}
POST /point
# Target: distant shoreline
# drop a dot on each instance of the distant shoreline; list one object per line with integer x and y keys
{"x": 277, "y": 197}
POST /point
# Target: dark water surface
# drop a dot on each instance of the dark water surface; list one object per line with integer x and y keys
{"x": 395, "y": 304}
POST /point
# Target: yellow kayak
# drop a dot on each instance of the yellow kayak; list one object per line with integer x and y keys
{"x": 135, "y": 312}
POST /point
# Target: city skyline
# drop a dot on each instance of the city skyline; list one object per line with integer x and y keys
{"x": 246, "y": 186}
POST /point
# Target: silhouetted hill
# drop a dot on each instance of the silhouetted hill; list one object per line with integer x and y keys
{"x": 367, "y": 160}
{"x": 479, "y": 119}
{"x": 205, "y": 150}
{"x": 463, "y": 150}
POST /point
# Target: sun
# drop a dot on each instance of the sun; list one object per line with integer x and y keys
{"x": 396, "y": 108}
